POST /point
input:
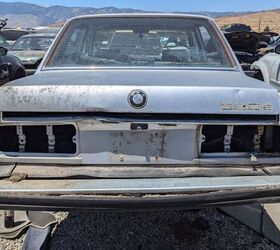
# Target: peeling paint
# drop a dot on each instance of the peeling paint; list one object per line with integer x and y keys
{"x": 95, "y": 98}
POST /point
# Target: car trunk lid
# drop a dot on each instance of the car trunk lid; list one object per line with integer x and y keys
{"x": 168, "y": 92}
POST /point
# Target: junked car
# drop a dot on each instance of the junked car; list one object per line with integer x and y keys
{"x": 271, "y": 46}
{"x": 267, "y": 68}
{"x": 30, "y": 49}
{"x": 247, "y": 45}
{"x": 11, "y": 35}
{"x": 144, "y": 127}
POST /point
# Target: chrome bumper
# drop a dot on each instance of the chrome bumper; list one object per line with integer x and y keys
{"x": 139, "y": 186}
{"x": 138, "y": 193}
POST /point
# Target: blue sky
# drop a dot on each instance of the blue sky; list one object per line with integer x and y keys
{"x": 170, "y": 5}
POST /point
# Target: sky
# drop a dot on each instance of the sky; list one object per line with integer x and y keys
{"x": 169, "y": 5}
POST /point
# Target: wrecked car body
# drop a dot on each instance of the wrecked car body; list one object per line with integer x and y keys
{"x": 271, "y": 47}
{"x": 184, "y": 127}
{"x": 267, "y": 69}
{"x": 248, "y": 46}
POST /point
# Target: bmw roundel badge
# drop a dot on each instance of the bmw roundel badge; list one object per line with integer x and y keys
{"x": 137, "y": 99}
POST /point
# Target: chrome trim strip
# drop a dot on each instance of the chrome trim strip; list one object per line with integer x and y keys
{"x": 84, "y": 117}
{"x": 139, "y": 68}
{"x": 275, "y": 83}
{"x": 127, "y": 15}
{"x": 40, "y": 158}
{"x": 141, "y": 186}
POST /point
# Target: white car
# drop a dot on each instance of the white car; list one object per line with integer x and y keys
{"x": 268, "y": 68}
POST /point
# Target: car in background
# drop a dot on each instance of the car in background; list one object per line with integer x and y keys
{"x": 267, "y": 68}
{"x": 247, "y": 45}
{"x": 30, "y": 49}
{"x": 11, "y": 35}
{"x": 128, "y": 46}
{"x": 271, "y": 47}
{"x": 45, "y": 30}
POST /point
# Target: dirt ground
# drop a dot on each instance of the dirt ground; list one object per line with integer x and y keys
{"x": 195, "y": 229}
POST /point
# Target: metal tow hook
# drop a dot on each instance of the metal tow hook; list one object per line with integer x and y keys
{"x": 257, "y": 142}
{"x": 227, "y": 138}
{"x": 257, "y": 138}
{"x": 51, "y": 139}
{"x": 21, "y": 138}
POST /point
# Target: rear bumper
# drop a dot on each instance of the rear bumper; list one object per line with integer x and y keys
{"x": 138, "y": 193}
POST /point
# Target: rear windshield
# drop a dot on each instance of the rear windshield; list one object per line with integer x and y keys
{"x": 158, "y": 42}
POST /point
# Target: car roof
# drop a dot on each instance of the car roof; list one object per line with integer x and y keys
{"x": 164, "y": 15}
{"x": 51, "y": 35}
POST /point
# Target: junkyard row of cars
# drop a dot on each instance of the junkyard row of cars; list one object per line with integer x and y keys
{"x": 250, "y": 46}
{"x": 27, "y": 47}
{"x": 139, "y": 110}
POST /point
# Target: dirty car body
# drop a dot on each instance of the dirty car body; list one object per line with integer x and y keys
{"x": 166, "y": 122}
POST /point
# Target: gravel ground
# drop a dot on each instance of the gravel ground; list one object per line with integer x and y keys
{"x": 197, "y": 229}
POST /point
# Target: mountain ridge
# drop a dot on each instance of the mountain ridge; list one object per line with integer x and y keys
{"x": 27, "y": 15}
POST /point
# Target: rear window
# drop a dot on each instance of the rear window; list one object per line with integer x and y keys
{"x": 32, "y": 43}
{"x": 145, "y": 41}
